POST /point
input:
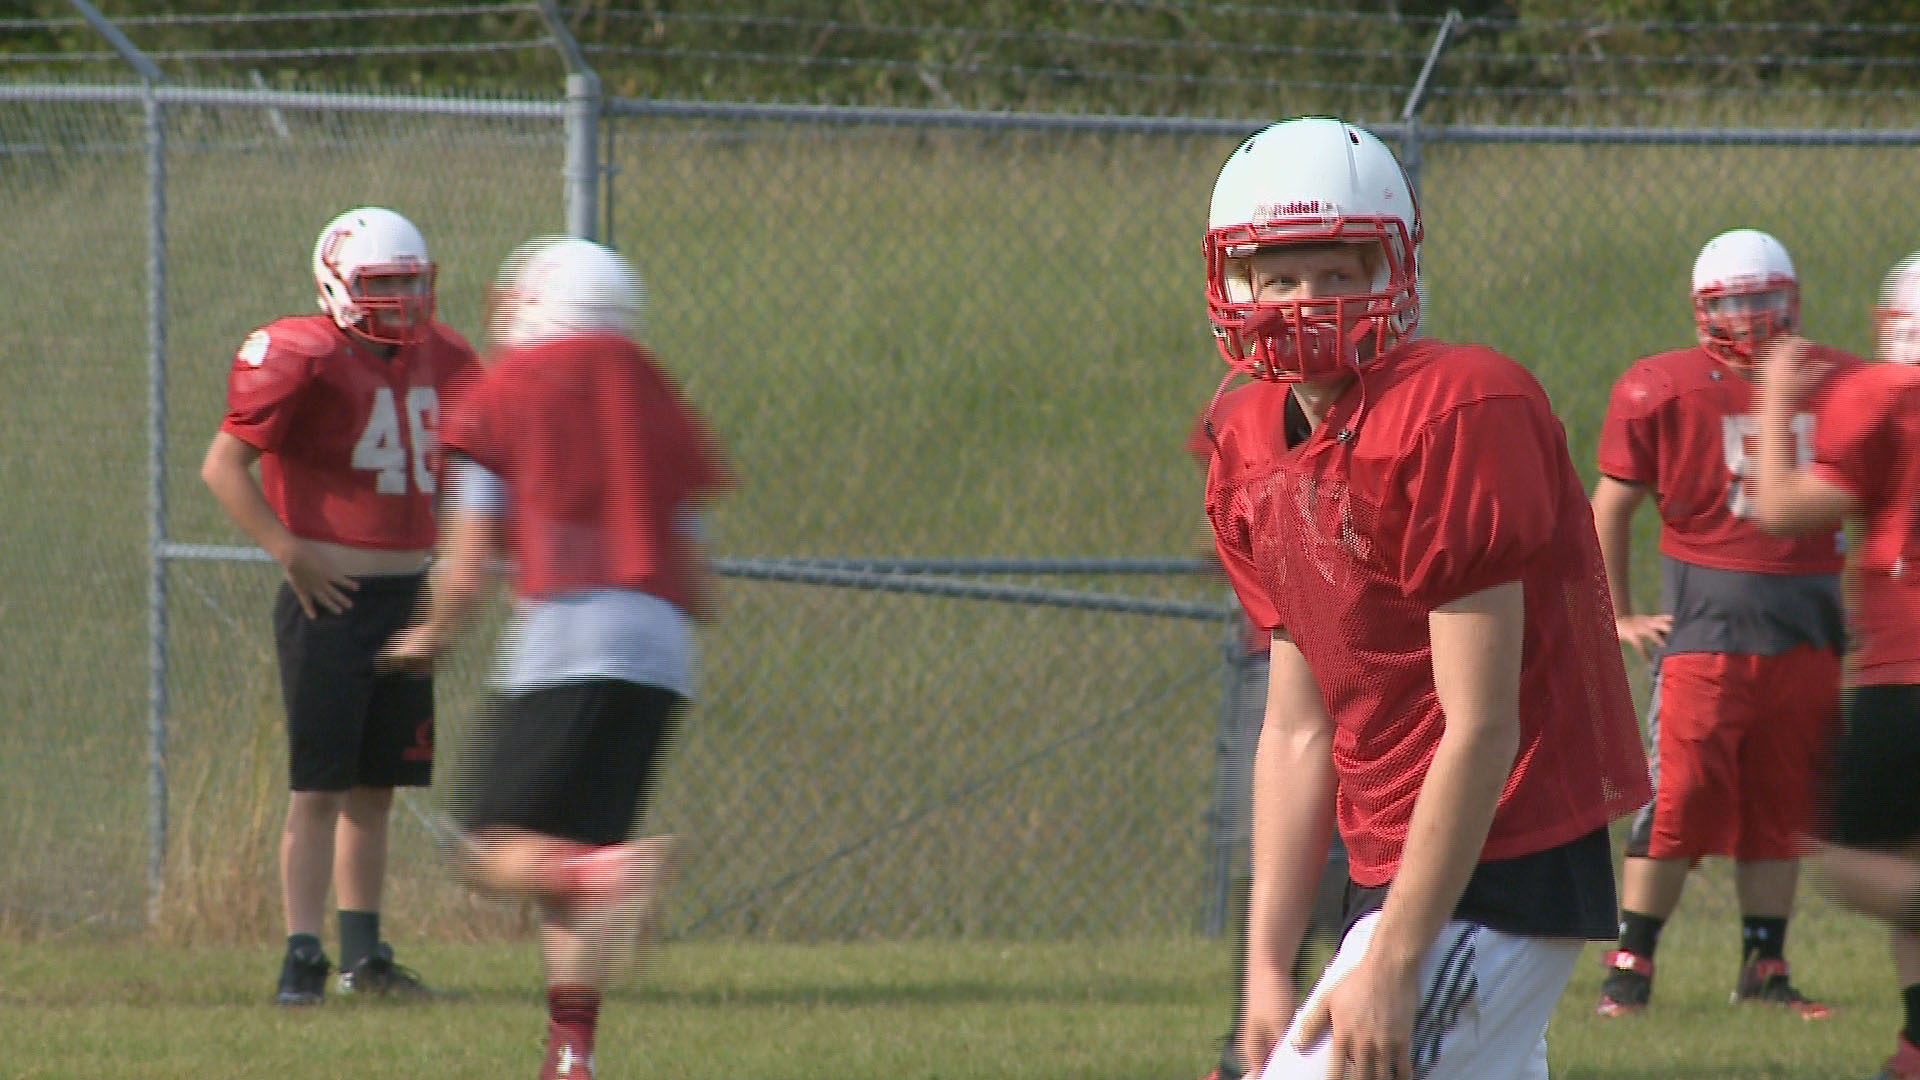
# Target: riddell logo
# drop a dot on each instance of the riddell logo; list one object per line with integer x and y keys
{"x": 1312, "y": 208}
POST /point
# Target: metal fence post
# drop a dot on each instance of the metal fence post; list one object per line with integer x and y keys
{"x": 156, "y": 138}
{"x": 583, "y": 128}
{"x": 1410, "y": 113}
{"x": 583, "y": 147}
{"x": 1220, "y": 854}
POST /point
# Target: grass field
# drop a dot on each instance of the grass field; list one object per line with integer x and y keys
{"x": 1129, "y": 1010}
{"x": 917, "y": 344}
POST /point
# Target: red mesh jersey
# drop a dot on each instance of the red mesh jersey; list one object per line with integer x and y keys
{"x": 1678, "y": 424}
{"x": 1869, "y": 443}
{"x": 1200, "y": 445}
{"x": 602, "y": 461}
{"x": 346, "y": 437}
{"x": 1455, "y": 478}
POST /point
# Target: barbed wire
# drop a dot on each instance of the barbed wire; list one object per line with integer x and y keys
{"x": 1580, "y": 66}
{"x": 1018, "y": 70}
{"x": 1503, "y": 22}
{"x": 1036, "y": 37}
{"x": 233, "y": 18}
{"x": 315, "y": 52}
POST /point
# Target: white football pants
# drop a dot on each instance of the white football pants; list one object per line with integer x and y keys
{"x": 1485, "y": 1000}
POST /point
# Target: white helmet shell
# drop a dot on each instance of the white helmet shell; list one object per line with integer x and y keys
{"x": 374, "y": 275}
{"x": 1744, "y": 292}
{"x": 1898, "y": 332}
{"x": 1312, "y": 180}
{"x": 560, "y": 285}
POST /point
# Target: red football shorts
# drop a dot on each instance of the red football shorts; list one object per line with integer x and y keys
{"x": 1738, "y": 740}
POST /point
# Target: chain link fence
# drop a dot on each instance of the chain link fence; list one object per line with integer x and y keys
{"x": 933, "y": 340}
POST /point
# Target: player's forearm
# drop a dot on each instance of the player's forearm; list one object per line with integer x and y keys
{"x": 464, "y": 575}
{"x": 1293, "y": 786}
{"x": 1292, "y": 831}
{"x": 1451, "y": 818}
{"x": 1476, "y": 663}
{"x": 235, "y": 489}
{"x": 1614, "y": 504}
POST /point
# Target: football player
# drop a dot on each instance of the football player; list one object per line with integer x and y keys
{"x": 1864, "y": 469}
{"x": 1402, "y": 534}
{"x": 577, "y": 459}
{"x": 1747, "y": 641}
{"x": 338, "y": 410}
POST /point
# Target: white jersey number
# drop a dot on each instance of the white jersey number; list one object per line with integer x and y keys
{"x": 388, "y": 453}
{"x": 1735, "y": 431}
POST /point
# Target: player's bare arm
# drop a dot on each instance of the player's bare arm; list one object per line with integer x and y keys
{"x": 1614, "y": 504}
{"x": 472, "y": 541}
{"x": 1292, "y": 831}
{"x": 318, "y": 581}
{"x": 1787, "y": 499}
{"x": 1476, "y": 673}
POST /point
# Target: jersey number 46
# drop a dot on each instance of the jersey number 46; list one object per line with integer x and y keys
{"x": 390, "y": 453}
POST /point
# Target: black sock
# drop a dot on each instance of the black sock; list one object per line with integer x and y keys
{"x": 303, "y": 944}
{"x": 1640, "y": 934}
{"x": 1762, "y": 939}
{"x": 1910, "y": 998}
{"x": 359, "y": 933}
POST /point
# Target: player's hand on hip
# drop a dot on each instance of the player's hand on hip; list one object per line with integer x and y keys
{"x": 1646, "y": 634}
{"x": 413, "y": 650}
{"x": 1368, "y": 1016}
{"x": 317, "y": 582}
{"x": 1270, "y": 1004}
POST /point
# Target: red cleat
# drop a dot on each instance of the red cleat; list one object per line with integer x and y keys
{"x": 567, "y": 1059}
{"x": 1629, "y": 984}
{"x": 1765, "y": 981}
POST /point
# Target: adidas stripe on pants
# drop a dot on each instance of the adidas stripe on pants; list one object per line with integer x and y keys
{"x": 1485, "y": 999}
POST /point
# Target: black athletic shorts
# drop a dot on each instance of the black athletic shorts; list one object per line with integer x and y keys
{"x": 346, "y": 726}
{"x": 576, "y": 761}
{"x": 1871, "y": 794}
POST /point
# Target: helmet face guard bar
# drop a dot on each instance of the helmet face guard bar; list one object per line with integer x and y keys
{"x": 395, "y": 301}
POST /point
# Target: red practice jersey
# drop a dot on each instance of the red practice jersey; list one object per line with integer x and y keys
{"x": 1442, "y": 472}
{"x": 1200, "y": 445}
{"x": 602, "y": 461}
{"x": 346, "y": 438}
{"x": 1678, "y": 424}
{"x": 1869, "y": 444}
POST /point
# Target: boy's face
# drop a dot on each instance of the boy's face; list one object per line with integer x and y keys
{"x": 1316, "y": 272}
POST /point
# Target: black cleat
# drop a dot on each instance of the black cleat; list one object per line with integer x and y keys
{"x": 303, "y": 978}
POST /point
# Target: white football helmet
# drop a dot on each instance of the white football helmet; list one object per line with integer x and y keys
{"x": 560, "y": 284}
{"x": 1311, "y": 181}
{"x": 1898, "y": 316}
{"x": 1744, "y": 292}
{"x": 374, "y": 275}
